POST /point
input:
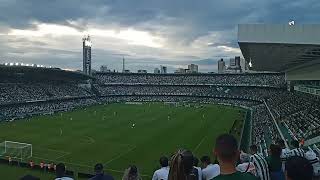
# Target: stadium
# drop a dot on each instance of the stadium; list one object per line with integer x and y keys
{"x": 50, "y": 116}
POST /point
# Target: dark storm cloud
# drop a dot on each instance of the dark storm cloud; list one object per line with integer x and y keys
{"x": 203, "y": 15}
{"x": 180, "y": 22}
{"x": 19, "y": 13}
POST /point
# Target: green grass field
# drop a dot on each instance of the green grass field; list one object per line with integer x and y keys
{"x": 97, "y": 134}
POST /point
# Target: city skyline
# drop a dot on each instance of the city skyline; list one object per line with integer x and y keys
{"x": 147, "y": 33}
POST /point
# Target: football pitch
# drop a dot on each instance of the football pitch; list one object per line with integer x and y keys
{"x": 118, "y": 135}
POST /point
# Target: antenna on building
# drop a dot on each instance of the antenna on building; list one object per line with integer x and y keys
{"x": 123, "y": 68}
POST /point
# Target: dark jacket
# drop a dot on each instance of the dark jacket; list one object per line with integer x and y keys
{"x": 102, "y": 177}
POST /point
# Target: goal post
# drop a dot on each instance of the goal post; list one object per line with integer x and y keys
{"x": 16, "y": 150}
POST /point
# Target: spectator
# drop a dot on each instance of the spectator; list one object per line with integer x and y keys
{"x": 274, "y": 163}
{"x": 195, "y": 166}
{"x": 311, "y": 156}
{"x": 260, "y": 163}
{"x": 298, "y": 168}
{"x": 181, "y": 166}
{"x": 297, "y": 151}
{"x": 131, "y": 173}
{"x": 98, "y": 169}
{"x": 246, "y": 165}
{"x": 60, "y": 172}
{"x": 162, "y": 173}
{"x": 226, "y": 150}
{"x": 31, "y": 163}
{"x": 285, "y": 153}
{"x": 29, "y": 177}
{"x": 209, "y": 170}
{"x": 10, "y": 160}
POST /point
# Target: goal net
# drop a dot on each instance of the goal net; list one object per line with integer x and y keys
{"x": 15, "y": 150}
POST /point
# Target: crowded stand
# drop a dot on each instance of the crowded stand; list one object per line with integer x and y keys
{"x": 297, "y": 111}
{"x": 23, "y": 92}
{"x": 19, "y": 111}
{"x": 255, "y": 79}
{"x": 264, "y": 131}
{"x": 180, "y": 99}
{"x": 253, "y": 93}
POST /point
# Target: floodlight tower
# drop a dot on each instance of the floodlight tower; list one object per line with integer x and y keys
{"x": 86, "y": 45}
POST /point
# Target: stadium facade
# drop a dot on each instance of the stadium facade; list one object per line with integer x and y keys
{"x": 289, "y": 48}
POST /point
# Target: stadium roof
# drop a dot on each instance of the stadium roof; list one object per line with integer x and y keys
{"x": 280, "y": 47}
{"x": 23, "y": 73}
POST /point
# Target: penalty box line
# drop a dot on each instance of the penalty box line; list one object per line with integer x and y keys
{"x": 197, "y": 147}
{"x": 84, "y": 165}
{"x": 64, "y": 153}
{"x": 53, "y": 150}
{"x": 120, "y": 155}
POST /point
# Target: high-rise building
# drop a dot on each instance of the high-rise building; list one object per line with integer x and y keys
{"x": 193, "y": 68}
{"x": 104, "y": 68}
{"x": 232, "y": 63}
{"x": 163, "y": 69}
{"x": 86, "y": 45}
{"x": 235, "y": 65}
{"x": 243, "y": 65}
{"x": 237, "y": 61}
{"x": 156, "y": 71}
{"x": 180, "y": 71}
{"x": 221, "y": 66}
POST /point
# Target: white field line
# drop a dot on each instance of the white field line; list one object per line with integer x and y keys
{"x": 62, "y": 156}
{"x": 121, "y": 154}
{"x": 196, "y": 148}
{"x": 90, "y": 139}
{"x": 53, "y": 150}
{"x": 83, "y": 165}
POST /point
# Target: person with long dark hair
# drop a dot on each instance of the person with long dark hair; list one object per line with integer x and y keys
{"x": 131, "y": 173}
{"x": 181, "y": 166}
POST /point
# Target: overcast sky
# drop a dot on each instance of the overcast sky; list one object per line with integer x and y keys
{"x": 146, "y": 32}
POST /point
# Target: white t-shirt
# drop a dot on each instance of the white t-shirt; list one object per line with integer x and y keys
{"x": 211, "y": 171}
{"x": 64, "y": 178}
{"x": 199, "y": 172}
{"x": 244, "y": 167}
{"x": 161, "y": 174}
{"x": 314, "y": 160}
{"x": 285, "y": 154}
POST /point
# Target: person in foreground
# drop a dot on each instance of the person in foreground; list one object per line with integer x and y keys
{"x": 163, "y": 172}
{"x": 98, "y": 169}
{"x": 227, "y": 153}
{"x": 298, "y": 168}
{"x": 131, "y": 173}
{"x": 260, "y": 163}
{"x": 209, "y": 170}
{"x": 275, "y": 163}
{"x": 60, "y": 172}
{"x": 181, "y": 166}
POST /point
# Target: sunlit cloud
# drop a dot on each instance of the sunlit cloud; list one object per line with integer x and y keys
{"x": 229, "y": 49}
{"x": 131, "y": 36}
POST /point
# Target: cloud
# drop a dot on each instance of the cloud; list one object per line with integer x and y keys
{"x": 148, "y": 32}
